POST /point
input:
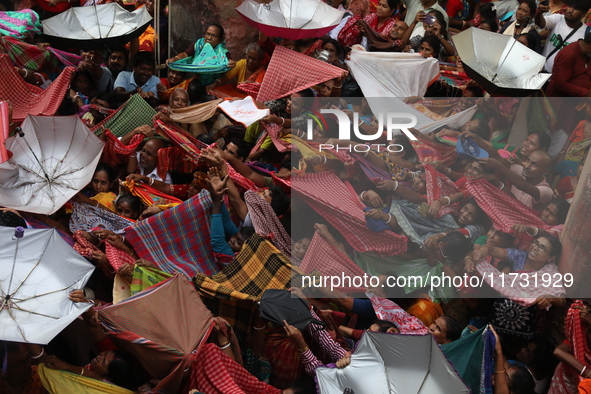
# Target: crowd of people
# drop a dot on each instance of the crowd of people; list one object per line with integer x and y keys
{"x": 222, "y": 200}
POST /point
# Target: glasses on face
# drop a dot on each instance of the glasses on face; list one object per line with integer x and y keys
{"x": 540, "y": 247}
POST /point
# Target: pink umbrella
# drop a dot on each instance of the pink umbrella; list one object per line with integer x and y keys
{"x": 292, "y": 19}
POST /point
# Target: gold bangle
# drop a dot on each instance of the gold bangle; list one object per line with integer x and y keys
{"x": 503, "y": 371}
{"x": 82, "y": 372}
{"x": 305, "y": 350}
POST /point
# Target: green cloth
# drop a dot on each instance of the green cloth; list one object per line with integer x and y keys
{"x": 416, "y": 268}
{"x": 144, "y": 277}
{"x": 209, "y": 62}
{"x": 134, "y": 113}
{"x": 480, "y": 240}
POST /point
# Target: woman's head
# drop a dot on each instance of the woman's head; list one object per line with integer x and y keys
{"x": 386, "y": 8}
{"x": 175, "y": 77}
{"x": 473, "y": 169}
{"x": 116, "y": 367}
{"x": 419, "y": 184}
{"x": 237, "y": 240}
{"x": 383, "y": 326}
{"x": 445, "y": 329}
{"x": 254, "y": 56}
{"x": 179, "y": 98}
{"x": 214, "y": 35}
{"x": 489, "y": 25}
{"x": 532, "y": 40}
{"x": 499, "y": 239}
{"x": 555, "y": 212}
{"x": 334, "y": 48}
{"x": 533, "y": 142}
{"x": 103, "y": 178}
{"x": 439, "y": 24}
{"x": 128, "y": 206}
{"x": 430, "y": 47}
{"x": 453, "y": 248}
{"x": 295, "y": 103}
{"x": 300, "y": 248}
{"x": 487, "y": 11}
{"x": 407, "y": 151}
{"x": 525, "y": 10}
{"x": 359, "y": 7}
{"x": 545, "y": 249}
{"x": 470, "y": 213}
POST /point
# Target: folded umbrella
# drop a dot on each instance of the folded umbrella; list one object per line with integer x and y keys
{"x": 106, "y": 25}
{"x": 499, "y": 63}
{"x": 292, "y": 19}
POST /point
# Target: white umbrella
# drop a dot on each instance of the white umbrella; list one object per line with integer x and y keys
{"x": 393, "y": 364}
{"x": 37, "y": 272}
{"x": 500, "y": 63}
{"x": 96, "y": 27}
{"x": 292, "y": 19}
{"x": 53, "y": 160}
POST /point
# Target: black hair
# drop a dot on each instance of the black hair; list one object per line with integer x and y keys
{"x": 336, "y": 44}
{"x": 522, "y": 382}
{"x": 109, "y": 98}
{"x": 434, "y": 43}
{"x": 11, "y": 219}
{"x": 308, "y": 93}
{"x": 247, "y": 231}
{"x": 111, "y": 174}
{"x": 123, "y": 371}
{"x": 456, "y": 246}
{"x": 562, "y": 207}
{"x": 483, "y": 129}
{"x": 488, "y": 11}
{"x": 67, "y": 107}
{"x": 581, "y": 5}
{"x": 544, "y": 140}
{"x": 494, "y": 26}
{"x": 280, "y": 201}
{"x": 121, "y": 49}
{"x": 475, "y": 89}
{"x": 441, "y": 20}
{"x": 534, "y": 41}
{"x": 408, "y": 149}
{"x": 454, "y": 330}
{"x": 532, "y": 6}
{"x": 205, "y": 138}
{"x": 384, "y": 325}
{"x": 481, "y": 214}
{"x": 220, "y": 28}
{"x": 243, "y": 150}
{"x": 393, "y": 4}
{"x": 88, "y": 76}
{"x": 303, "y": 386}
{"x": 555, "y": 244}
{"x": 144, "y": 57}
{"x": 134, "y": 202}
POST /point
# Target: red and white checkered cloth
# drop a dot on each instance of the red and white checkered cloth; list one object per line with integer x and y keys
{"x": 439, "y": 185}
{"x": 272, "y": 130}
{"x": 250, "y": 88}
{"x": 290, "y": 72}
{"x": 338, "y": 203}
{"x": 4, "y": 130}
{"x": 115, "y": 152}
{"x": 265, "y": 222}
{"x": 504, "y": 210}
{"x": 523, "y": 289}
{"x": 117, "y": 257}
{"x": 388, "y": 310}
{"x": 28, "y": 99}
{"x": 330, "y": 261}
{"x": 215, "y": 373}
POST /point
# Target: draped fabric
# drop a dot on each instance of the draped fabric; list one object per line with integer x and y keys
{"x": 20, "y": 24}
{"x": 207, "y": 60}
{"x": 149, "y": 195}
{"x": 86, "y": 217}
{"x": 438, "y": 186}
{"x": 388, "y": 310}
{"x": 266, "y": 223}
{"x": 28, "y": 56}
{"x": 115, "y": 152}
{"x": 134, "y": 113}
{"x": 57, "y": 381}
{"x": 197, "y": 113}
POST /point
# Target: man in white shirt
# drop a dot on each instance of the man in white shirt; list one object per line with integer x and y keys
{"x": 564, "y": 29}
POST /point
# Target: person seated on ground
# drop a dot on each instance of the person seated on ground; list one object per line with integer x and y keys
{"x": 225, "y": 237}
{"x": 141, "y": 80}
{"x": 528, "y": 182}
{"x": 82, "y": 88}
{"x": 554, "y": 214}
{"x": 101, "y": 106}
{"x": 250, "y": 69}
{"x": 99, "y": 194}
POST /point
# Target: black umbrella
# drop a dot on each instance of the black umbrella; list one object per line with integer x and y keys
{"x": 106, "y": 25}
{"x": 279, "y": 305}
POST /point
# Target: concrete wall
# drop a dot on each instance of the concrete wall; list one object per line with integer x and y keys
{"x": 189, "y": 19}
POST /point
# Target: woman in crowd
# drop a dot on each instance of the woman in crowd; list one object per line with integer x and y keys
{"x": 381, "y": 21}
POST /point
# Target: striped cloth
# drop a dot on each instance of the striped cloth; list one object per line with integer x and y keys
{"x": 177, "y": 239}
{"x": 438, "y": 186}
{"x": 266, "y": 223}
{"x": 4, "y": 130}
{"x": 290, "y": 72}
{"x": 134, "y": 113}
{"x": 338, "y": 203}
{"x": 28, "y": 99}
{"x": 20, "y": 24}
{"x": 66, "y": 58}
{"x": 115, "y": 152}
{"x": 28, "y": 56}
{"x": 149, "y": 195}
{"x": 429, "y": 151}
{"x": 117, "y": 257}
{"x": 388, "y": 310}
{"x": 231, "y": 293}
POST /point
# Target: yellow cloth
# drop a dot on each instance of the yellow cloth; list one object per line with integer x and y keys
{"x": 106, "y": 199}
{"x": 426, "y": 311}
{"x": 168, "y": 206}
{"x": 62, "y": 382}
{"x": 240, "y": 73}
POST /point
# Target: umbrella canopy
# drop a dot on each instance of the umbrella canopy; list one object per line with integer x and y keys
{"x": 500, "y": 63}
{"x": 278, "y": 305}
{"x": 52, "y": 159}
{"x": 393, "y": 364}
{"x": 161, "y": 326}
{"x": 292, "y": 19}
{"x": 106, "y": 25}
{"x": 37, "y": 273}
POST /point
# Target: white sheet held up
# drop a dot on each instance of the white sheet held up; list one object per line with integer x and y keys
{"x": 243, "y": 111}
